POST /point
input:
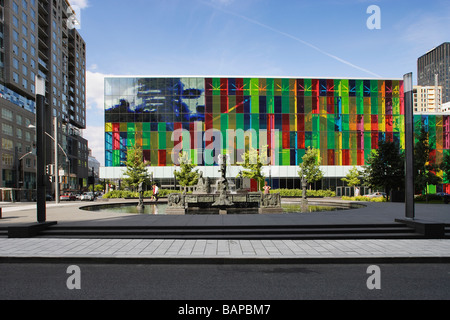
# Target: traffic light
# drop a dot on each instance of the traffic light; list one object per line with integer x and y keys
{"x": 50, "y": 170}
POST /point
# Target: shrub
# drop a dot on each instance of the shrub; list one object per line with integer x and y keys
{"x": 117, "y": 194}
{"x": 366, "y": 199}
{"x": 309, "y": 193}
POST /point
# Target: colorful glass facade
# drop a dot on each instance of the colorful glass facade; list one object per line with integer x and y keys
{"x": 343, "y": 118}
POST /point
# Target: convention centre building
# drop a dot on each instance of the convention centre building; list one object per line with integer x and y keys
{"x": 343, "y": 119}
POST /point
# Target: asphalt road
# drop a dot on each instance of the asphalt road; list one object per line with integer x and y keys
{"x": 224, "y": 282}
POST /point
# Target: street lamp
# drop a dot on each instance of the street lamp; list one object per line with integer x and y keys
{"x": 57, "y": 145}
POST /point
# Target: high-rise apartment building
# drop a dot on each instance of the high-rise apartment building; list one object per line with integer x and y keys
{"x": 427, "y": 99}
{"x": 37, "y": 40}
{"x": 435, "y": 66}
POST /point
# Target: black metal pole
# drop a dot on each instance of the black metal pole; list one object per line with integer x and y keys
{"x": 40, "y": 153}
{"x": 409, "y": 146}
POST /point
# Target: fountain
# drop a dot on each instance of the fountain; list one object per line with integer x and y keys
{"x": 222, "y": 200}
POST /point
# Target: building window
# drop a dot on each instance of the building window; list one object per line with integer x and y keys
{"x": 7, "y": 144}
{"x": 7, "y": 114}
{"x": 7, "y": 159}
{"x": 15, "y": 77}
{"x": 16, "y": 64}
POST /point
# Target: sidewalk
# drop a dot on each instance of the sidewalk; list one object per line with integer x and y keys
{"x": 223, "y": 251}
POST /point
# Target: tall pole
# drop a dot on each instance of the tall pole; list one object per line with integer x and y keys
{"x": 409, "y": 146}
{"x": 40, "y": 150}
{"x": 55, "y": 121}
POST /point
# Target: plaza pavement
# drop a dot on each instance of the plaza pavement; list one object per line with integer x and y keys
{"x": 220, "y": 251}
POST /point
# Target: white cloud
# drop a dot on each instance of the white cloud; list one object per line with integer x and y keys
{"x": 82, "y": 4}
{"x": 95, "y": 83}
{"x": 96, "y": 140}
{"x": 95, "y": 129}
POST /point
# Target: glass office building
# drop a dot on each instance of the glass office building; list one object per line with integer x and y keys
{"x": 343, "y": 119}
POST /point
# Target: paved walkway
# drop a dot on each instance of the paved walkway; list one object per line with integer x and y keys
{"x": 258, "y": 251}
{"x": 220, "y": 251}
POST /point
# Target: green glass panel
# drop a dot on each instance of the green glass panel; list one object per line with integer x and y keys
{"x": 270, "y": 91}
{"x": 285, "y": 87}
{"x": 330, "y": 140}
{"x": 247, "y": 87}
{"x": 146, "y": 140}
{"x": 153, "y": 140}
{"x": 344, "y": 88}
{"x": 374, "y": 105}
{"x": 308, "y": 88}
{"x": 345, "y": 140}
{"x": 116, "y": 158}
{"x": 254, "y": 87}
{"x": 270, "y": 104}
{"x": 278, "y": 86}
{"x": 315, "y": 123}
{"x": 285, "y": 104}
{"x": 345, "y": 104}
{"x": 216, "y": 86}
{"x": 161, "y": 140}
{"x": 131, "y": 128}
{"x": 255, "y": 104}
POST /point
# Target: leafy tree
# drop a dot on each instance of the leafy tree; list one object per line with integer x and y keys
{"x": 136, "y": 172}
{"x": 424, "y": 170}
{"x": 186, "y": 176}
{"x": 253, "y": 165}
{"x": 310, "y": 167}
{"x": 385, "y": 168}
{"x": 445, "y": 166}
{"x": 353, "y": 177}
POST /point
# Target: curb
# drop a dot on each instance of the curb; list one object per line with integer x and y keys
{"x": 222, "y": 260}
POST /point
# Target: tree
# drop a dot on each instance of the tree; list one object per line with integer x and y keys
{"x": 136, "y": 172}
{"x": 186, "y": 176}
{"x": 310, "y": 167}
{"x": 352, "y": 177}
{"x": 445, "y": 166}
{"x": 424, "y": 169}
{"x": 385, "y": 168}
{"x": 253, "y": 165}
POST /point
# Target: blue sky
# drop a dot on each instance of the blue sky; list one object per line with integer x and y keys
{"x": 322, "y": 38}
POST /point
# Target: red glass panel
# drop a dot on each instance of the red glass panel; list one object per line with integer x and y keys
{"x": 300, "y": 140}
{"x": 116, "y": 141}
{"x": 162, "y": 158}
{"x": 346, "y": 157}
{"x": 360, "y": 157}
{"x": 315, "y": 105}
{"x": 331, "y": 157}
{"x": 374, "y": 120}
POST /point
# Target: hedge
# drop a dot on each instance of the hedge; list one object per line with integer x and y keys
{"x": 366, "y": 199}
{"x": 117, "y": 194}
{"x": 309, "y": 193}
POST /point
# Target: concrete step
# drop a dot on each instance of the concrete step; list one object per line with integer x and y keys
{"x": 389, "y": 231}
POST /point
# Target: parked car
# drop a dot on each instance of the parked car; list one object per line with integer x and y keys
{"x": 87, "y": 196}
{"x": 445, "y": 197}
{"x": 375, "y": 195}
{"x": 67, "y": 197}
{"x": 47, "y": 198}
